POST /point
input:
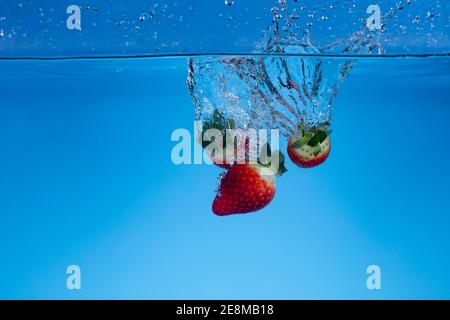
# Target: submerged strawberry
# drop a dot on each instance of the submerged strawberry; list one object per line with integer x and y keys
{"x": 243, "y": 189}
{"x": 309, "y": 147}
{"x": 226, "y": 158}
{"x": 247, "y": 187}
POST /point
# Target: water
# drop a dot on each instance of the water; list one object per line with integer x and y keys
{"x": 87, "y": 178}
{"x": 292, "y": 84}
{"x": 278, "y": 92}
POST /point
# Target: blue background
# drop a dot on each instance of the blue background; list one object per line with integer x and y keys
{"x": 87, "y": 179}
{"x": 86, "y": 176}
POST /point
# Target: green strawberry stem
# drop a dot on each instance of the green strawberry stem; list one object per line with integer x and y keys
{"x": 312, "y": 136}
{"x": 265, "y": 159}
{"x": 219, "y": 122}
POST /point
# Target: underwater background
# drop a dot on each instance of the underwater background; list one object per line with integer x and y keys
{"x": 87, "y": 179}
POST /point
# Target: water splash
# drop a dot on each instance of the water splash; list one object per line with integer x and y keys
{"x": 281, "y": 90}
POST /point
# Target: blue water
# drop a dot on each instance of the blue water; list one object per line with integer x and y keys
{"x": 86, "y": 178}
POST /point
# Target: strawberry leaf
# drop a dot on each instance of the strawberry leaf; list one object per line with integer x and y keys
{"x": 231, "y": 124}
{"x": 264, "y": 155}
{"x": 318, "y": 138}
{"x": 281, "y": 167}
{"x": 265, "y": 159}
{"x": 219, "y": 122}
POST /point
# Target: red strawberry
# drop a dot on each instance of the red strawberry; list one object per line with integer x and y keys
{"x": 246, "y": 188}
{"x": 309, "y": 147}
{"x": 243, "y": 190}
{"x": 226, "y": 158}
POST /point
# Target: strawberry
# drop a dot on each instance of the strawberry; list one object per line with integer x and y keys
{"x": 309, "y": 147}
{"x": 219, "y": 122}
{"x": 239, "y": 151}
{"x": 247, "y": 187}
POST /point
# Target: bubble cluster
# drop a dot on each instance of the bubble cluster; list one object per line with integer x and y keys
{"x": 184, "y": 27}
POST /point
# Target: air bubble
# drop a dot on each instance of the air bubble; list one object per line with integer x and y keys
{"x": 276, "y": 13}
{"x": 282, "y": 4}
{"x": 429, "y": 15}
